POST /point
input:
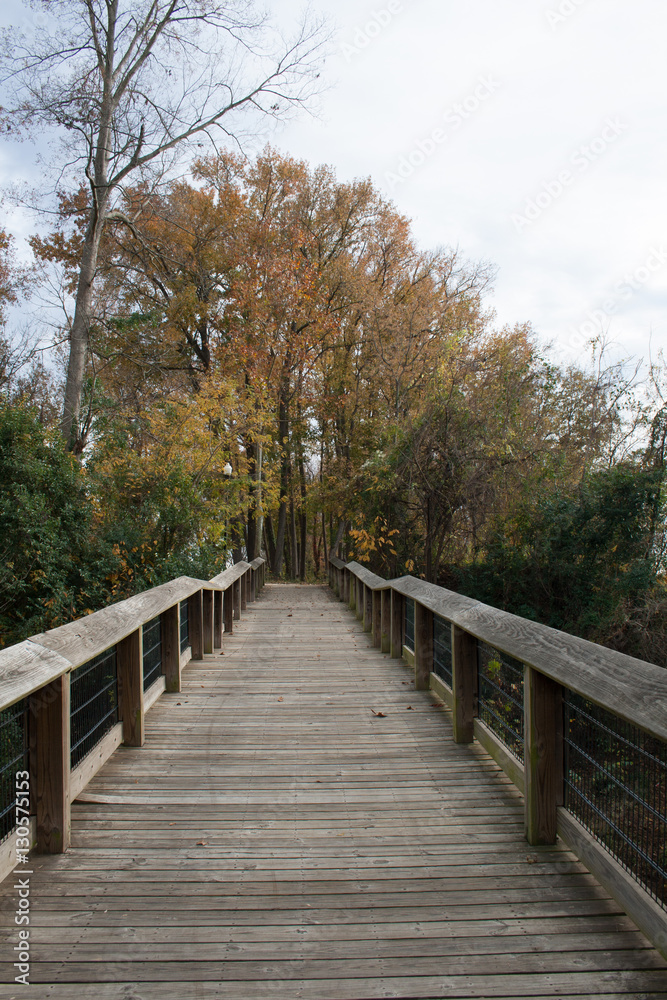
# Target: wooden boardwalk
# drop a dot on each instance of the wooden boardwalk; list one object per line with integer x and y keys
{"x": 300, "y": 826}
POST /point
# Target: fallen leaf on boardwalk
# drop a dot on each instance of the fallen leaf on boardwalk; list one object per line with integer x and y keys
{"x": 405, "y": 682}
{"x": 289, "y": 615}
{"x": 202, "y": 843}
{"x": 438, "y": 704}
{"x": 410, "y": 708}
{"x": 281, "y": 698}
{"x": 380, "y": 715}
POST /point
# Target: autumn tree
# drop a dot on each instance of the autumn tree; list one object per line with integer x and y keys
{"x": 128, "y": 87}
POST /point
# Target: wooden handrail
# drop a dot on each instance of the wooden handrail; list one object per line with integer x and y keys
{"x": 554, "y": 663}
{"x": 41, "y": 669}
{"x": 54, "y": 653}
{"x": 633, "y": 689}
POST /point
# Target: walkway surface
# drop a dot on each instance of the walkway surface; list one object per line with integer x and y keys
{"x": 300, "y": 826}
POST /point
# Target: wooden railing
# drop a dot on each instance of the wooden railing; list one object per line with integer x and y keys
{"x": 78, "y": 691}
{"x": 580, "y": 729}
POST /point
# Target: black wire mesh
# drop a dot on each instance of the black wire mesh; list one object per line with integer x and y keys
{"x": 500, "y": 696}
{"x": 152, "y": 645}
{"x": 13, "y": 758}
{"x": 616, "y": 786}
{"x": 409, "y": 623}
{"x": 185, "y": 629}
{"x": 93, "y": 703}
{"x": 442, "y": 649}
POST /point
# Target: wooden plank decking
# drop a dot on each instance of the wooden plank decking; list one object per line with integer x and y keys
{"x": 275, "y": 838}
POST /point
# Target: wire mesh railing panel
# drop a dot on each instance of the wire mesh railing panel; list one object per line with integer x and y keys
{"x": 442, "y": 649}
{"x": 616, "y": 786}
{"x": 409, "y": 623}
{"x": 13, "y": 758}
{"x": 152, "y": 646}
{"x": 184, "y": 627}
{"x": 500, "y": 696}
{"x": 93, "y": 703}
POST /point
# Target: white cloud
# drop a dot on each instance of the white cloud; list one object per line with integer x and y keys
{"x": 559, "y": 85}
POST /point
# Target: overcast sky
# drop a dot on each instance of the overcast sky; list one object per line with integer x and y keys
{"x": 530, "y": 133}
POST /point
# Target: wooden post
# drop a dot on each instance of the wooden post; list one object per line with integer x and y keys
{"x": 217, "y": 619}
{"x": 360, "y": 600}
{"x": 244, "y": 591}
{"x": 376, "y": 597}
{"x": 251, "y": 582}
{"x": 385, "y": 621}
{"x": 543, "y": 757}
{"x": 423, "y": 647}
{"x": 351, "y": 591}
{"x": 196, "y": 625}
{"x": 50, "y": 745}
{"x": 228, "y": 609}
{"x": 129, "y": 661}
{"x": 236, "y": 597}
{"x": 207, "y": 628}
{"x": 464, "y": 684}
{"x": 171, "y": 649}
{"x": 368, "y": 608}
{"x": 396, "y": 634}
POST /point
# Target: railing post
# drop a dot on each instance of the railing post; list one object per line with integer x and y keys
{"x": 251, "y": 581}
{"x": 376, "y": 597}
{"x": 464, "y": 684}
{"x": 207, "y": 623}
{"x": 196, "y": 625}
{"x": 396, "y": 639}
{"x": 351, "y": 591}
{"x": 50, "y": 743}
{"x": 361, "y": 601}
{"x": 423, "y": 647}
{"x": 217, "y": 619}
{"x": 385, "y": 621}
{"x": 244, "y": 590}
{"x": 228, "y": 609}
{"x": 129, "y": 660}
{"x": 543, "y": 756}
{"x": 368, "y": 609}
{"x": 236, "y": 598}
{"x": 171, "y": 649}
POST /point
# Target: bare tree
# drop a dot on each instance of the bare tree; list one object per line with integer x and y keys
{"x": 129, "y": 86}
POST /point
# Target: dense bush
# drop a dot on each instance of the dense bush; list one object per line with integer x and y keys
{"x": 75, "y": 538}
{"x": 45, "y": 522}
{"x": 586, "y": 560}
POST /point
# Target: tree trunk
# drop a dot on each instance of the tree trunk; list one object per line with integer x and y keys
{"x": 303, "y": 524}
{"x": 269, "y": 540}
{"x": 252, "y": 491}
{"x": 283, "y": 438}
{"x": 324, "y": 540}
{"x": 79, "y": 338}
{"x": 293, "y": 542}
{"x": 339, "y": 537}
